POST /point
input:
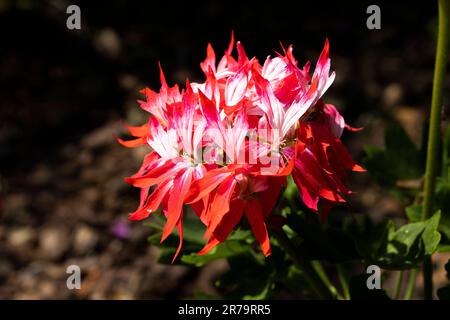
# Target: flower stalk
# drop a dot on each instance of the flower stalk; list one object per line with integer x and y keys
{"x": 434, "y": 129}
{"x": 398, "y": 285}
{"x": 411, "y": 284}
{"x": 344, "y": 281}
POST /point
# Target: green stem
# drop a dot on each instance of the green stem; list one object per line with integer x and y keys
{"x": 434, "y": 129}
{"x": 314, "y": 279}
{"x": 398, "y": 285}
{"x": 411, "y": 284}
{"x": 343, "y": 280}
{"x": 317, "y": 266}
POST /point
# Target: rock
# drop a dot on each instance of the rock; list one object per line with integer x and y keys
{"x": 21, "y": 237}
{"x": 392, "y": 94}
{"x": 85, "y": 240}
{"x": 90, "y": 194}
{"x": 53, "y": 243}
{"x": 47, "y": 289}
{"x": 108, "y": 42}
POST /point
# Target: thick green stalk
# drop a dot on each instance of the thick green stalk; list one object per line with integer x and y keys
{"x": 313, "y": 278}
{"x": 434, "y": 129}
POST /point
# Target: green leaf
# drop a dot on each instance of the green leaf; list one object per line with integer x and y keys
{"x": 403, "y": 239}
{"x": 442, "y": 201}
{"x": 408, "y": 234}
{"x": 240, "y": 234}
{"x": 431, "y": 237}
{"x": 168, "y": 250}
{"x": 226, "y": 249}
{"x": 247, "y": 279}
{"x": 400, "y": 160}
{"x": 193, "y": 231}
{"x": 237, "y": 243}
{"x": 414, "y": 212}
{"x": 403, "y": 248}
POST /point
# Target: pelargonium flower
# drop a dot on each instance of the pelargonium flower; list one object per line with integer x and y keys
{"x": 225, "y": 146}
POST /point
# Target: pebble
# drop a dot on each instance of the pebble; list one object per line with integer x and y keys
{"x": 85, "y": 240}
{"x": 21, "y": 237}
{"x": 392, "y": 94}
{"x": 53, "y": 243}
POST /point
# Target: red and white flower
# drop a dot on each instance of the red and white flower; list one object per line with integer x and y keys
{"x": 226, "y": 146}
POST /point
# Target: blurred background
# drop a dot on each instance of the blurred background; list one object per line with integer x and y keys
{"x": 65, "y": 93}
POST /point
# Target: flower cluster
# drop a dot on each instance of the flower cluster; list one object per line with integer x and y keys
{"x": 226, "y": 146}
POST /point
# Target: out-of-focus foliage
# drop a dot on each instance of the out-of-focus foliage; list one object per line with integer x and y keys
{"x": 400, "y": 160}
